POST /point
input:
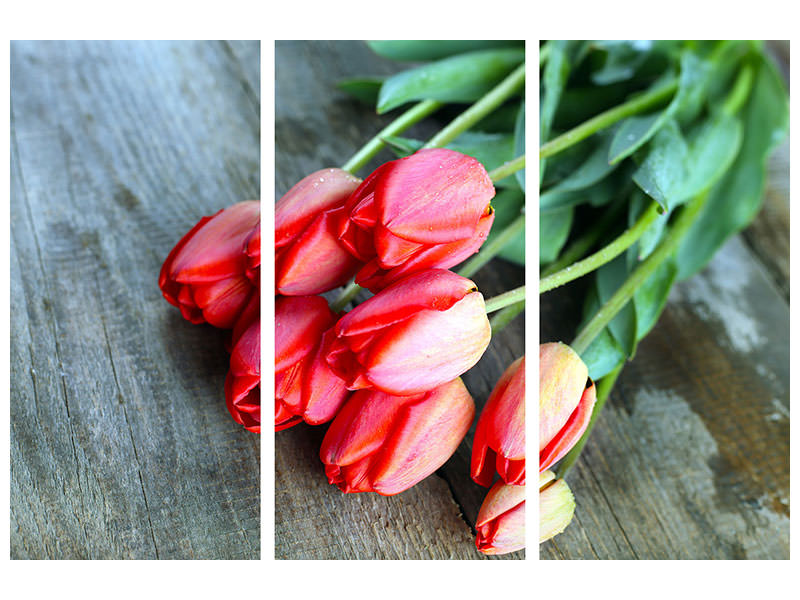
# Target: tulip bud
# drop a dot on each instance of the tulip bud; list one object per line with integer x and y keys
{"x": 418, "y": 333}
{"x": 243, "y": 383}
{"x": 556, "y": 505}
{"x": 305, "y": 387}
{"x": 206, "y": 274}
{"x": 309, "y": 259}
{"x": 501, "y": 520}
{"x": 500, "y": 434}
{"x": 386, "y": 444}
{"x": 566, "y": 400}
{"x": 427, "y": 210}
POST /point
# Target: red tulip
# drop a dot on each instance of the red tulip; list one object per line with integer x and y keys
{"x": 243, "y": 383}
{"x": 385, "y": 444}
{"x": 309, "y": 259}
{"x": 500, "y": 435}
{"x": 418, "y": 333}
{"x": 556, "y": 505}
{"x": 427, "y": 210}
{"x": 206, "y": 274}
{"x": 501, "y": 520}
{"x": 566, "y": 400}
{"x": 305, "y": 387}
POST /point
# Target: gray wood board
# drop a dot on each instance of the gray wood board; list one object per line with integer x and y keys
{"x": 690, "y": 456}
{"x": 121, "y": 445}
{"x": 316, "y": 126}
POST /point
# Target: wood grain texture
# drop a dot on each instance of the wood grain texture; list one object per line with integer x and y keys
{"x": 690, "y": 456}
{"x": 121, "y": 445}
{"x": 315, "y": 127}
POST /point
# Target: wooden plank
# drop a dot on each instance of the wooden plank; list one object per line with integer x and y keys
{"x": 690, "y": 457}
{"x": 317, "y": 127}
{"x": 121, "y": 446}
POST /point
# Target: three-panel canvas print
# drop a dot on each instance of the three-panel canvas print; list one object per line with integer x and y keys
{"x": 407, "y": 273}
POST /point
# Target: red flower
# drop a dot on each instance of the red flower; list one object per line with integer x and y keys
{"x": 418, "y": 333}
{"x": 243, "y": 383}
{"x": 386, "y": 444}
{"x": 500, "y": 434}
{"x": 305, "y": 387}
{"x": 427, "y": 210}
{"x": 207, "y": 275}
{"x": 566, "y": 400}
{"x": 501, "y": 520}
{"x": 309, "y": 259}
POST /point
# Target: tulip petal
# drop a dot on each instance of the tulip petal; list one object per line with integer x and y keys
{"x": 438, "y": 256}
{"x": 321, "y": 191}
{"x": 572, "y": 431}
{"x": 433, "y": 196}
{"x": 316, "y": 262}
{"x": 562, "y": 379}
{"x": 501, "y": 520}
{"x": 435, "y": 289}
{"x": 556, "y": 508}
{"x": 424, "y": 435}
{"x": 429, "y": 348}
{"x": 215, "y": 249}
{"x": 300, "y": 322}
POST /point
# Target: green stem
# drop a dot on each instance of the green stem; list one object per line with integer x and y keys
{"x": 602, "y": 256}
{"x": 507, "y": 169}
{"x": 505, "y": 316}
{"x": 492, "y": 248}
{"x": 348, "y": 293}
{"x": 499, "y": 94}
{"x": 621, "y": 297}
{"x": 505, "y": 299}
{"x": 413, "y": 115}
{"x": 604, "y": 387}
{"x": 608, "y": 118}
{"x": 583, "y": 244}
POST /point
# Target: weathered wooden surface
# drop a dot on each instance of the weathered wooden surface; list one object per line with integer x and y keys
{"x": 121, "y": 445}
{"x": 316, "y": 126}
{"x": 690, "y": 457}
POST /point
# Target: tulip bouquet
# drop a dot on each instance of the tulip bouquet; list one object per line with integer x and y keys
{"x": 212, "y": 275}
{"x": 386, "y": 372}
{"x": 653, "y": 154}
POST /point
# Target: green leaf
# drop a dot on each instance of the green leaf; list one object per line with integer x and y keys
{"x": 609, "y": 279}
{"x": 519, "y": 143}
{"x": 460, "y": 78}
{"x": 663, "y": 172}
{"x": 651, "y": 297}
{"x": 599, "y": 194}
{"x": 594, "y": 168}
{"x": 363, "y": 89}
{"x": 651, "y": 237}
{"x": 508, "y": 204}
{"x": 554, "y": 226}
{"x": 637, "y": 131}
{"x": 604, "y": 354}
{"x": 713, "y": 146}
{"x": 734, "y": 201}
{"x": 554, "y": 78}
{"x": 622, "y": 58}
{"x": 419, "y": 50}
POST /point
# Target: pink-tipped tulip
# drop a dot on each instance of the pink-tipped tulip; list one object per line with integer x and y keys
{"x": 243, "y": 383}
{"x": 418, "y": 333}
{"x": 305, "y": 387}
{"x": 500, "y": 434}
{"x": 556, "y": 505}
{"x": 566, "y": 400}
{"x": 206, "y": 274}
{"x": 386, "y": 444}
{"x": 427, "y": 210}
{"x": 501, "y": 520}
{"x": 309, "y": 259}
